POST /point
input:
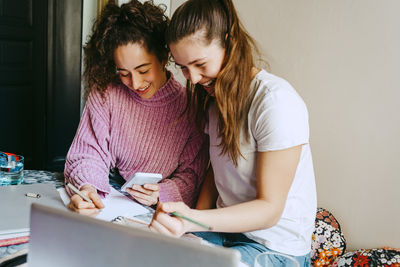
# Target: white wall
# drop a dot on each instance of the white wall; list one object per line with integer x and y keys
{"x": 89, "y": 15}
{"x": 343, "y": 57}
{"x": 175, "y": 4}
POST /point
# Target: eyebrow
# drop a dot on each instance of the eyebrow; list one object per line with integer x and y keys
{"x": 138, "y": 67}
{"x": 191, "y": 62}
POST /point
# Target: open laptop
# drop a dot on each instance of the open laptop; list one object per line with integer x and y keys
{"x": 63, "y": 238}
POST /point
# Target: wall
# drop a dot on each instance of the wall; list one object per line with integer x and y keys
{"x": 343, "y": 58}
{"x": 89, "y": 16}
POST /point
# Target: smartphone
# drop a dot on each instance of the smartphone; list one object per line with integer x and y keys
{"x": 141, "y": 178}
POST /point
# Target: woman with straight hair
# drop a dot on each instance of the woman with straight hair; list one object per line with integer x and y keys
{"x": 134, "y": 118}
{"x": 259, "y": 196}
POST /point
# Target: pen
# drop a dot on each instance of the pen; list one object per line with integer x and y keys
{"x": 73, "y": 188}
{"x": 177, "y": 214}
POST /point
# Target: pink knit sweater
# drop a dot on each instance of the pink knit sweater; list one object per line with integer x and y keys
{"x": 133, "y": 134}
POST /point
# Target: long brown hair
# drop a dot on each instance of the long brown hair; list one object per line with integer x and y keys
{"x": 133, "y": 22}
{"x": 218, "y": 20}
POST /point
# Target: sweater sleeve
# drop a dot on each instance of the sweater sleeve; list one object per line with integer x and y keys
{"x": 184, "y": 183}
{"x": 88, "y": 159}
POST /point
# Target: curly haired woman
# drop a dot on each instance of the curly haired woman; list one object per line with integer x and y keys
{"x": 134, "y": 118}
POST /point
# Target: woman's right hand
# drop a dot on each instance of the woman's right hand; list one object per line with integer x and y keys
{"x": 81, "y": 206}
{"x": 164, "y": 223}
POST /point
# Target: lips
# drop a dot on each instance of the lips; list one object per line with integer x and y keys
{"x": 209, "y": 83}
{"x": 209, "y": 86}
{"x": 143, "y": 90}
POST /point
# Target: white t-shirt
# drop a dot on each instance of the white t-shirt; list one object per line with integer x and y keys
{"x": 277, "y": 119}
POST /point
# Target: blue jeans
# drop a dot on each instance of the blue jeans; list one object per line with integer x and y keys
{"x": 248, "y": 248}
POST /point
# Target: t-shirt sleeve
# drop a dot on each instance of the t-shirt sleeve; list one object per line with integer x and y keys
{"x": 280, "y": 118}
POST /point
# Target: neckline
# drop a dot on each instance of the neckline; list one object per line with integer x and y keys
{"x": 165, "y": 94}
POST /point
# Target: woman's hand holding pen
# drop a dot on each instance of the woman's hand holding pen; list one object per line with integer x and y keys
{"x": 146, "y": 194}
{"x": 79, "y": 205}
{"x": 175, "y": 226}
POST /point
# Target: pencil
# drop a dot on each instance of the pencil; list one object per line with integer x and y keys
{"x": 73, "y": 188}
{"x": 177, "y": 214}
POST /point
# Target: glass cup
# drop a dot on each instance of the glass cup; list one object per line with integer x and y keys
{"x": 11, "y": 169}
{"x": 275, "y": 259}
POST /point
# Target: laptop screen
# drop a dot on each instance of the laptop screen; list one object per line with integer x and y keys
{"x": 63, "y": 238}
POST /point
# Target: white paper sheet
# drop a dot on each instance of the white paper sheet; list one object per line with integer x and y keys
{"x": 115, "y": 204}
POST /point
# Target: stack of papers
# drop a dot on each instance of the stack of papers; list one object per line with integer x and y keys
{"x": 15, "y": 208}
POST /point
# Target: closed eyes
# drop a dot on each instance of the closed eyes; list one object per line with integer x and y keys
{"x": 198, "y": 65}
{"x": 122, "y": 74}
{"x": 144, "y": 72}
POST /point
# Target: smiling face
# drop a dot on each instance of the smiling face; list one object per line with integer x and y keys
{"x": 139, "y": 70}
{"x": 200, "y": 62}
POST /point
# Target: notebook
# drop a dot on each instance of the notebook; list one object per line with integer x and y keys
{"x": 115, "y": 204}
{"x": 15, "y": 207}
{"x": 63, "y": 238}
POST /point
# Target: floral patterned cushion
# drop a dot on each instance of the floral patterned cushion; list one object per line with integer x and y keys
{"x": 370, "y": 257}
{"x": 328, "y": 241}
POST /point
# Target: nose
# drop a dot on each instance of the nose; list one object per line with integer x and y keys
{"x": 136, "y": 81}
{"x": 194, "y": 76}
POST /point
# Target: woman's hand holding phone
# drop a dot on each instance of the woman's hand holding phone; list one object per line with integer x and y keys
{"x": 146, "y": 194}
{"x": 144, "y": 187}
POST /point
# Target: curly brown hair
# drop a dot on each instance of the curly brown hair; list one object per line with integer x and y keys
{"x": 133, "y": 22}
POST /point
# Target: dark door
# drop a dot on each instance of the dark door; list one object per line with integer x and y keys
{"x": 63, "y": 97}
{"x": 23, "y": 78}
{"x": 39, "y": 79}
